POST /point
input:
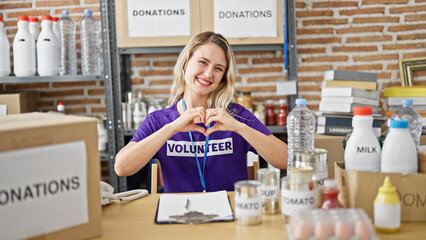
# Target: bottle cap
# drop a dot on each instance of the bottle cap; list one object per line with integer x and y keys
{"x": 330, "y": 183}
{"x": 281, "y": 101}
{"x": 33, "y": 19}
{"x": 46, "y": 17}
{"x": 300, "y": 101}
{"x": 387, "y": 186}
{"x": 22, "y": 18}
{"x": 363, "y": 111}
{"x": 1, "y": 19}
{"x": 65, "y": 12}
{"x": 60, "y": 107}
{"x": 398, "y": 123}
{"x": 55, "y": 19}
{"x": 87, "y": 12}
{"x": 407, "y": 101}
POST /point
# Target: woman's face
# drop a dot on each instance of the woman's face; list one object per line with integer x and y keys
{"x": 205, "y": 69}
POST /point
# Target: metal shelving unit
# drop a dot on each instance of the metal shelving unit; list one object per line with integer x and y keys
{"x": 119, "y": 82}
{"x": 53, "y": 79}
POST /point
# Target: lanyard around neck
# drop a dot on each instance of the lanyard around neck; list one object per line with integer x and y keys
{"x": 206, "y": 147}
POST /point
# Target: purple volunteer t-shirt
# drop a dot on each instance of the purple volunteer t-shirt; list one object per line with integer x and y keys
{"x": 226, "y": 156}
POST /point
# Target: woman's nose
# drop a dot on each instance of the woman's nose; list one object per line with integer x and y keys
{"x": 208, "y": 72}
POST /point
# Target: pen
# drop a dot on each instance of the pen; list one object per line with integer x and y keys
{"x": 187, "y": 204}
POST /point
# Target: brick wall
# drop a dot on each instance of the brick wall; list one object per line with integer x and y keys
{"x": 366, "y": 35}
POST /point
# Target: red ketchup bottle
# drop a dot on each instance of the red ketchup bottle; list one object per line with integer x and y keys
{"x": 330, "y": 193}
{"x": 282, "y": 114}
{"x": 270, "y": 113}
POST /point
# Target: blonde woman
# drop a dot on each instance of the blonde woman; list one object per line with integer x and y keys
{"x": 202, "y": 139}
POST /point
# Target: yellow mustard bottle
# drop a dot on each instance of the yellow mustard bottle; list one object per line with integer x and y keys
{"x": 387, "y": 208}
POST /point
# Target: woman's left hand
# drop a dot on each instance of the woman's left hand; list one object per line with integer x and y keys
{"x": 224, "y": 121}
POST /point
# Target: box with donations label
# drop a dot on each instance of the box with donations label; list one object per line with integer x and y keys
{"x": 49, "y": 177}
{"x": 358, "y": 189}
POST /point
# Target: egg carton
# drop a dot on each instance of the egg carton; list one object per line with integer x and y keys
{"x": 332, "y": 224}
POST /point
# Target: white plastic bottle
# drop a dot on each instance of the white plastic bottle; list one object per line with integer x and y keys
{"x": 60, "y": 108}
{"x": 414, "y": 120}
{"x": 90, "y": 48}
{"x": 399, "y": 153}
{"x": 139, "y": 114}
{"x": 4, "y": 52}
{"x": 34, "y": 26}
{"x": 24, "y": 59}
{"x": 47, "y": 49}
{"x": 362, "y": 150}
{"x": 55, "y": 26}
{"x": 300, "y": 129}
{"x": 68, "y": 53}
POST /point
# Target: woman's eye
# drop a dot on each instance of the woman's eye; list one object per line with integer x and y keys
{"x": 203, "y": 62}
{"x": 219, "y": 69}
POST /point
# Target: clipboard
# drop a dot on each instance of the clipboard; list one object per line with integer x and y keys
{"x": 194, "y": 208}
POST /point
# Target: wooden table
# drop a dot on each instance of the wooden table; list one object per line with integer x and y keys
{"x": 135, "y": 220}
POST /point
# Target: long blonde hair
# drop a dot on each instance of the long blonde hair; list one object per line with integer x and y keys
{"x": 223, "y": 95}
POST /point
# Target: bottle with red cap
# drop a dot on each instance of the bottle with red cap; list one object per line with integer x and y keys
{"x": 47, "y": 49}
{"x": 330, "y": 192}
{"x": 24, "y": 57}
{"x": 362, "y": 150}
{"x": 282, "y": 113}
{"x": 34, "y": 27}
{"x": 4, "y": 52}
{"x": 55, "y": 26}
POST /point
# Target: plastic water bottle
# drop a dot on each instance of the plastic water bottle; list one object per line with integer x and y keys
{"x": 24, "y": 59}
{"x": 90, "y": 49}
{"x": 47, "y": 49}
{"x": 68, "y": 54}
{"x": 414, "y": 120}
{"x": 399, "y": 153}
{"x": 362, "y": 150}
{"x": 4, "y": 52}
{"x": 300, "y": 130}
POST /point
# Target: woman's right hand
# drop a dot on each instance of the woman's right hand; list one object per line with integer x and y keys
{"x": 186, "y": 121}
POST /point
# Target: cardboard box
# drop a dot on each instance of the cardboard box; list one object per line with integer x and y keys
{"x": 19, "y": 102}
{"x": 47, "y": 133}
{"x": 358, "y": 189}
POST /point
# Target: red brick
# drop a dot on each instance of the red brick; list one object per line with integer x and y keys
{"x": 152, "y": 55}
{"x": 361, "y": 11}
{"x": 21, "y": 86}
{"x": 393, "y": 66}
{"x": 325, "y": 59}
{"x": 404, "y": 46}
{"x": 137, "y": 80}
{"x": 156, "y": 73}
{"x": 257, "y": 89}
{"x": 332, "y": 21}
{"x": 319, "y": 40}
{"x": 416, "y": 36}
{"x": 92, "y": 92}
{"x": 300, "y": 4}
{"x": 67, "y": 102}
{"x": 57, "y": 3}
{"x": 241, "y": 61}
{"x": 62, "y": 93}
{"x": 414, "y": 55}
{"x": 139, "y": 63}
{"x": 161, "y": 82}
{"x": 251, "y": 53}
{"x": 355, "y": 49}
{"x": 75, "y": 110}
{"x": 317, "y": 68}
{"x": 264, "y": 79}
{"x": 268, "y": 60}
{"x": 164, "y": 63}
{"x": 259, "y": 70}
{"x": 376, "y": 57}
{"x": 380, "y": 38}
{"x": 156, "y": 91}
{"x": 72, "y": 84}
{"x": 384, "y": 75}
{"x": 302, "y": 14}
{"x": 375, "y": 19}
{"x": 27, "y": 13}
{"x": 310, "y": 50}
{"x": 334, "y": 4}
{"x": 98, "y": 110}
{"x": 417, "y": 17}
{"x": 14, "y": 6}
{"x": 406, "y": 27}
{"x": 307, "y": 31}
{"x": 362, "y": 67}
{"x": 418, "y": 8}
{"x": 360, "y": 29}
{"x": 317, "y": 79}
{"x": 381, "y": 2}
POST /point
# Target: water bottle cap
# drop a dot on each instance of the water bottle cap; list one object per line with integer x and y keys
{"x": 33, "y": 19}
{"x": 399, "y": 123}
{"x": 46, "y": 17}
{"x": 363, "y": 111}
{"x": 300, "y": 101}
{"x": 22, "y": 18}
{"x": 55, "y": 19}
{"x": 87, "y": 12}
{"x": 65, "y": 12}
{"x": 407, "y": 101}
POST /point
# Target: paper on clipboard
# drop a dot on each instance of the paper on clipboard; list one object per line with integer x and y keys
{"x": 215, "y": 203}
